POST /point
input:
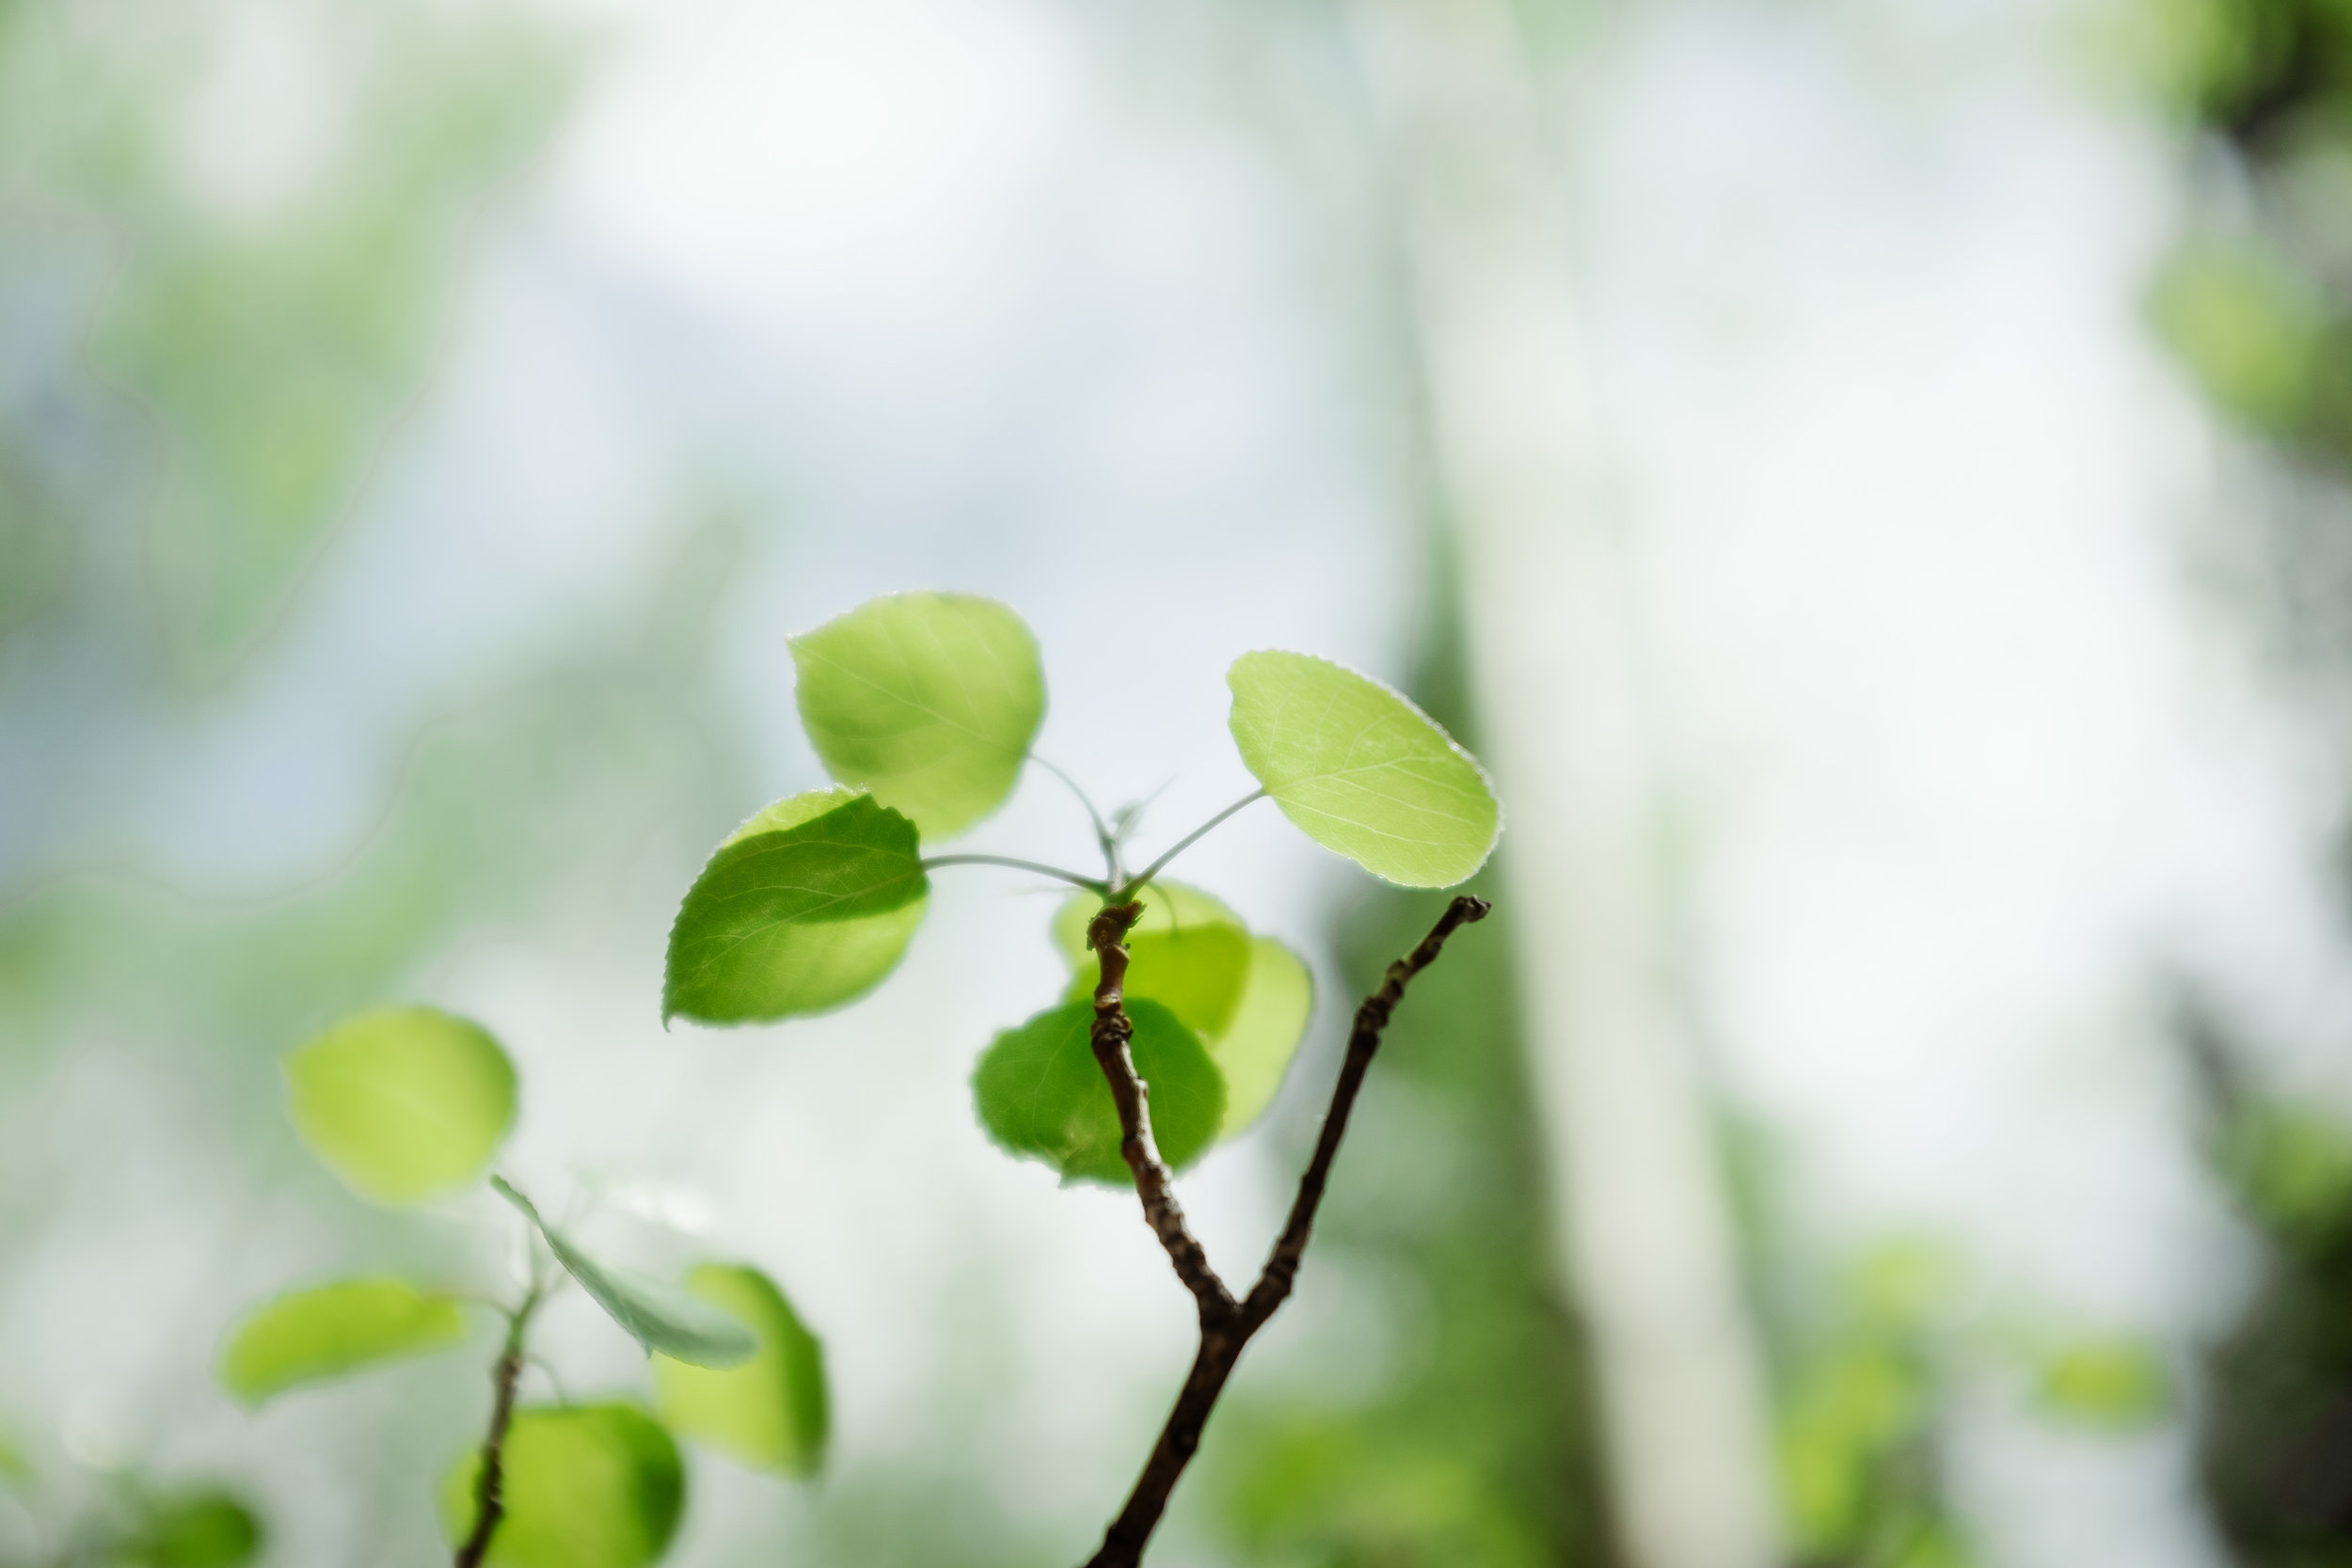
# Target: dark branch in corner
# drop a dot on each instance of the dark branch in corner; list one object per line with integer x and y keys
{"x": 1226, "y": 1325}
{"x": 489, "y": 1492}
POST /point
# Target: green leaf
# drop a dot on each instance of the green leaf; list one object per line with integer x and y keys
{"x": 654, "y": 1312}
{"x": 930, "y": 700}
{"x": 1041, "y": 1094}
{"x": 1360, "y": 770}
{"x": 791, "y": 920}
{"x": 307, "y": 1336}
{"x": 769, "y": 1413}
{"x": 1268, "y": 1021}
{"x": 1247, "y": 997}
{"x": 2118, "y": 1384}
{"x": 193, "y": 1530}
{"x": 404, "y": 1103}
{"x": 586, "y": 1486}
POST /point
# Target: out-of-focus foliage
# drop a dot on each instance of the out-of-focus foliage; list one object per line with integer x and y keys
{"x": 2278, "y": 1429}
{"x": 2257, "y": 300}
{"x": 131, "y": 1521}
{"x": 771, "y": 1412}
{"x": 404, "y": 1103}
{"x": 586, "y": 1486}
{"x": 1860, "y": 1397}
{"x": 1474, "y": 1449}
{"x": 305, "y": 1335}
{"x": 274, "y": 307}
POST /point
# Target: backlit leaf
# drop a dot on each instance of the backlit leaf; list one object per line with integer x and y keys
{"x": 586, "y": 1486}
{"x": 404, "y": 1103}
{"x": 1198, "y": 973}
{"x": 1257, "y": 1045}
{"x": 788, "y": 921}
{"x": 928, "y": 700}
{"x": 307, "y": 1336}
{"x": 769, "y": 1413}
{"x": 1041, "y": 1094}
{"x": 1360, "y": 770}
{"x": 657, "y": 1314}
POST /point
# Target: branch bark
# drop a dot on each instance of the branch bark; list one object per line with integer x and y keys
{"x": 1226, "y": 1325}
{"x": 489, "y": 1494}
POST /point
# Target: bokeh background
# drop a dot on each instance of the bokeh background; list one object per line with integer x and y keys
{"x": 1873, "y": 476}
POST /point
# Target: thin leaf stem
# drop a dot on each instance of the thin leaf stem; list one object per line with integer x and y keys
{"x": 1093, "y": 884}
{"x": 489, "y": 1496}
{"x": 1140, "y": 877}
{"x": 1103, "y": 836}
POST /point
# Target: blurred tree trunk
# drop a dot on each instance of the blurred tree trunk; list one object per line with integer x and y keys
{"x": 1548, "y": 606}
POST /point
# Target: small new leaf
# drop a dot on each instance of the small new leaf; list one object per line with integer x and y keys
{"x": 928, "y": 700}
{"x": 309, "y": 1335}
{"x": 658, "y": 1315}
{"x": 1360, "y": 770}
{"x": 1039, "y": 1092}
{"x": 789, "y": 921}
{"x": 584, "y": 1486}
{"x": 769, "y": 1413}
{"x": 404, "y": 1103}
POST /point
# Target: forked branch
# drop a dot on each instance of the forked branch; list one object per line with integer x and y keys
{"x": 1226, "y": 1325}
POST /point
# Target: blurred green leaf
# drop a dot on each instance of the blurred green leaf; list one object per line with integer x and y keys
{"x": 404, "y": 1103}
{"x": 305, "y": 1335}
{"x": 1041, "y": 1094}
{"x": 1248, "y": 998}
{"x": 658, "y": 1315}
{"x": 15, "y": 1469}
{"x": 769, "y": 1413}
{"x": 2117, "y": 1385}
{"x": 194, "y": 1530}
{"x": 930, "y": 700}
{"x": 1360, "y": 770}
{"x": 791, "y": 920}
{"x": 2293, "y": 1167}
{"x": 586, "y": 1486}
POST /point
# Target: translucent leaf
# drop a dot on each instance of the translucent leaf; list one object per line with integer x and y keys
{"x": 791, "y": 921}
{"x": 305, "y": 1335}
{"x": 192, "y": 1530}
{"x": 769, "y": 1413}
{"x": 586, "y": 1486}
{"x": 654, "y": 1312}
{"x": 1041, "y": 1094}
{"x": 1268, "y": 1021}
{"x": 1197, "y": 973}
{"x": 1248, "y": 998}
{"x": 2117, "y": 1384}
{"x": 1360, "y": 770}
{"x": 930, "y": 700}
{"x": 403, "y": 1104}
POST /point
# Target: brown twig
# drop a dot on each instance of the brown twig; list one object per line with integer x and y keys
{"x": 1226, "y": 1325}
{"x": 489, "y": 1494}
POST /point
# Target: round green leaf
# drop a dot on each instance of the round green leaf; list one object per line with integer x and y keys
{"x": 1361, "y": 770}
{"x": 657, "y": 1314}
{"x": 1197, "y": 973}
{"x": 1167, "y": 907}
{"x": 1041, "y": 1094}
{"x": 586, "y": 1486}
{"x": 928, "y": 700}
{"x": 769, "y": 1413}
{"x": 305, "y": 1335}
{"x": 192, "y": 1530}
{"x": 403, "y": 1104}
{"x": 1255, "y": 1048}
{"x": 784, "y": 922}
{"x": 2117, "y": 1384}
